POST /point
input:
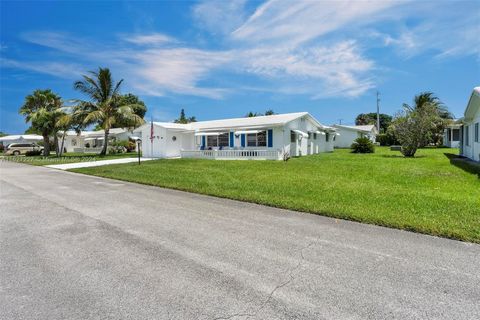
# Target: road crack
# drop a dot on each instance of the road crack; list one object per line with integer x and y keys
{"x": 291, "y": 278}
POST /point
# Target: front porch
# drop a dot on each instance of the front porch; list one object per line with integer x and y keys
{"x": 241, "y": 154}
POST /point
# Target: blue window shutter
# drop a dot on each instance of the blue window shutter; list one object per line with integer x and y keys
{"x": 231, "y": 139}
{"x": 243, "y": 139}
{"x": 270, "y": 138}
{"x": 203, "y": 141}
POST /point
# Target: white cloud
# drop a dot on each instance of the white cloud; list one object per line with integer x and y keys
{"x": 149, "y": 39}
{"x": 446, "y": 29}
{"x": 151, "y": 69}
{"x": 292, "y": 23}
{"x": 339, "y": 68}
{"x": 313, "y": 48}
{"x": 57, "y": 69}
{"x": 177, "y": 70}
{"x": 220, "y": 16}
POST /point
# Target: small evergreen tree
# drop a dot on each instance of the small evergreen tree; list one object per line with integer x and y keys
{"x": 183, "y": 119}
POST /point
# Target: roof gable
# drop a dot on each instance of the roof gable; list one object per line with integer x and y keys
{"x": 364, "y": 128}
{"x": 473, "y": 104}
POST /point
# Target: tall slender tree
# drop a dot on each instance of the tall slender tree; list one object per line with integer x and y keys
{"x": 184, "y": 119}
{"x": 105, "y": 106}
{"x": 43, "y": 109}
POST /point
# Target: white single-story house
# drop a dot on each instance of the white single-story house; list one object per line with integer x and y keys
{"x": 348, "y": 134}
{"x": 91, "y": 141}
{"x": 451, "y": 134}
{"x": 470, "y": 131}
{"x": 266, "y": 137}
{"x": 20, "y": 138}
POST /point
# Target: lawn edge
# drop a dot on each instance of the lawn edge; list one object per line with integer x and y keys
{"x": 323, "y": 214}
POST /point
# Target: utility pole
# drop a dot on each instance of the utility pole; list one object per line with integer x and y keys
{"x": 378, "y": 111}
{"x": 340, "y": 121}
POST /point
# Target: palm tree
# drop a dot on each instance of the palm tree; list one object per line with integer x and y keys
{"x": 105, "y": 107}
{"x": 427, "y": 97}
{"x": 43, "y": 108}
{"x": 426, "y": 100}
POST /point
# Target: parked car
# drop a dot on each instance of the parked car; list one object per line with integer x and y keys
{"x": 17, "y": 149}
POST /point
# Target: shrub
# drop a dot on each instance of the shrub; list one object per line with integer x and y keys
{"x": 32, "y": 153}
{"x": 2, "y": 147}
{"x": 386, "y": 139}
{"x": 363, "y": 145}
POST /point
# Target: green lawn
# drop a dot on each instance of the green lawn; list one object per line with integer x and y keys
{"x": 66, "y": 158}
{"x": 427, "y": 194}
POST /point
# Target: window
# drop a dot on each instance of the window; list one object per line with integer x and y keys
{"x": 315, "y": 136}
{"x": 223, "y": 140}
{"x": 327, "y": 136}
{"x": 467, "y": 136}
{"x": 218, "y": 141}
{"x": 212, "y": 141}
{"x": 257, "y": 139}
{"x": 262, "y": 139}
{"x": 476, "y": 132}
{"x": 456, "y": 135}
{"x": 292, "y": 136}
{"x": 251, "y": 140}
{"x": 309, "y": 135}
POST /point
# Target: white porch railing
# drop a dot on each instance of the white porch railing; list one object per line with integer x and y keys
{"x": 233, "y": 154}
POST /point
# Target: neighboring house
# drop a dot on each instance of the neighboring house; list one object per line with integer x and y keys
{"x": 470, "y": 131}
{"x": 20, "y": 138}
{"x": 265, "y": 137}
{"x": 451, "y": 134}
{"x": 348, "y": 134}
{"x": 91, "y": 141}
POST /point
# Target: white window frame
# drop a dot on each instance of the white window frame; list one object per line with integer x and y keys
{"x": 256, "y": 139}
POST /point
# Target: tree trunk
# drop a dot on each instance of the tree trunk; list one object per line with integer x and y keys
{"x": 105, "y": 143}
{"x": 55, "y": 144}
{"x": 46, "y": 145}
{"x": 63, "y": 142}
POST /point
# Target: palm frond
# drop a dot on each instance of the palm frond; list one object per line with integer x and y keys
{"x": 94, "y": 116}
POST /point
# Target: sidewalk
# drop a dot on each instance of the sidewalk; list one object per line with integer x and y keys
{"x": 76, "y": 165}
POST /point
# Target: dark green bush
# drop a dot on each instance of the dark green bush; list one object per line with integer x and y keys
{"x": 32, "y": 153}
{"x": 363, "y": 145}
{"x": 386, "y": 139}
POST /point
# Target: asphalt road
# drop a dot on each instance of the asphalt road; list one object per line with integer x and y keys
{"x": 80, "y": 247}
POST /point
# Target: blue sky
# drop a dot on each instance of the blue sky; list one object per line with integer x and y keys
{"x": 222, "y": 59}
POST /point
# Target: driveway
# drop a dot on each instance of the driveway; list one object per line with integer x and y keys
{"x": 81, "y": 247}
{"x": 96, "y": 163}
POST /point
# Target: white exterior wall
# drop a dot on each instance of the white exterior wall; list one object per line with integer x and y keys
{"x": 446, "y": 139}
{"x": 305, "y": 146}
{"x": 164, "y": 146}
{"x": 153, "y": 148}
{"x": 71, "y": 142}
{"x": 346, "y": 138}
{"x": 472, "y": 150}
